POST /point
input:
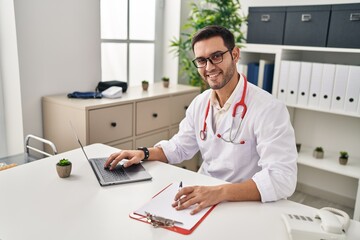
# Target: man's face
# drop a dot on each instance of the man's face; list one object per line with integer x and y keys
{"x": 216, "y": 75}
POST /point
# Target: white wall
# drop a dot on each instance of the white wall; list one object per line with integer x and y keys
{"x": 171, "y": 30}
{"x": 59, "y": 51}
{"x": 11, "y": 115}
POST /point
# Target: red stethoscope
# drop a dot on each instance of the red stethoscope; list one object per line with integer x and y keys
{"x": 203, "y": 132}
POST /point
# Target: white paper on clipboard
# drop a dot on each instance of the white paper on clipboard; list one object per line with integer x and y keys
{"x": 161, "y": 205}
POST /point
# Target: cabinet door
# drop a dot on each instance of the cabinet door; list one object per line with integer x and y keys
{"x": 179, "y": 104}
{"x": 110, "y": 124}
{"x": 152, "y": 115}
{"x": 124, "y": 146}
{"x": 151, "y": 140}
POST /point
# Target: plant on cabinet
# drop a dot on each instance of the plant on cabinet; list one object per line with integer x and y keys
{"x": 166, "y": 81}
{"x": 63, "y": 168}
{"x": 343, "y": 159}
{"x": 145, "y": 85}
{"x": 318, "y": 152}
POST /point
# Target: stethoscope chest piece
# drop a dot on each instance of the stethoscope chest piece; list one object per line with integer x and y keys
{"x": 203, "y": 135}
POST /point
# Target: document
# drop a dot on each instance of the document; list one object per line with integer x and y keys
{"x": 327, "y": 85}
{"x": 353, "y": 89}
{"x": 283, "y": 80}
{"x": 315, "y": 84}
{"x": 304, "y": 83}
{"x": 293, "y": 82}
{"x": 340, "y": 83}
{"x": 161, "y": 206}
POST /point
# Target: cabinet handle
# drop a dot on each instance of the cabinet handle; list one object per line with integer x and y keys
{"x": 113, "y": 124}
{"x": 155, "y": 115}
{"x": 265, "y": 18}
{"x": 355, "y": 17}
{"x": 305, "y": 17}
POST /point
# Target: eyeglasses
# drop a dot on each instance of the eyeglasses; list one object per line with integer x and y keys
{"x": 215, "y": 58}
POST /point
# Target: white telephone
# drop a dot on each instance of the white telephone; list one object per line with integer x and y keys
{"x": 325, "y": 225}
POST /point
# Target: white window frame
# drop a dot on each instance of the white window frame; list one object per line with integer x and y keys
{"x": 158, "y": 40}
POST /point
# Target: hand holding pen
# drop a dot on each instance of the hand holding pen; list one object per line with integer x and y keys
{"x": 199, "y": 196}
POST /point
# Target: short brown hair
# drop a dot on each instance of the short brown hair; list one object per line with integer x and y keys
{"x": 214, "y": 31}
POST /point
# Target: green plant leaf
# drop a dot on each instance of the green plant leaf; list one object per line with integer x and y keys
{"x": 225, "y": 13}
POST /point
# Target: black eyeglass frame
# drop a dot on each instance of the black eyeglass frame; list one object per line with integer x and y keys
{"x": 209, "y": 58}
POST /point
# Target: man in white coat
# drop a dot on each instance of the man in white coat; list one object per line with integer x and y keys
{"x": 243, "y": 133}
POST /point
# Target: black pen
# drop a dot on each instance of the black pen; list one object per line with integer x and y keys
{"x": 180, "y": 186}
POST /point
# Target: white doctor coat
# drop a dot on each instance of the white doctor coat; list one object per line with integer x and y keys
{"x": 268, "y": 153}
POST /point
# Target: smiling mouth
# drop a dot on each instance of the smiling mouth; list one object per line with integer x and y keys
{"x": 213, "y": 75}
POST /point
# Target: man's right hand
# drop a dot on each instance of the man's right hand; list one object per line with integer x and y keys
{"x": 132, "y": 156}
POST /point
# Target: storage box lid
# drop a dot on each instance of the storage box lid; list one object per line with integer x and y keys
{"x": 316, "y": 8}
{"x": 267, "y": 9}
{"x": 340, "y": 7}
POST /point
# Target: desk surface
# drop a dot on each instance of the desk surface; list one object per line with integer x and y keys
{"x": 35, "y": 204}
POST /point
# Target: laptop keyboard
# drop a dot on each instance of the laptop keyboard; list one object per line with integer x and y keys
{"x": 114, "y": 175}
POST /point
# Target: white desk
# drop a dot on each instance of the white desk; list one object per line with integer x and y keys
{"x": 36, "y": 204}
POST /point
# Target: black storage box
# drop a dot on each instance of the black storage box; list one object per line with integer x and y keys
{"x": 307, "y": 25}
{"x": 344, "y": 30}
{"x": 266, "y": 25}
{"x": 102, "y": 86}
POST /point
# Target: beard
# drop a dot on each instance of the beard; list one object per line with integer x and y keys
{"x": 227, "y": 76}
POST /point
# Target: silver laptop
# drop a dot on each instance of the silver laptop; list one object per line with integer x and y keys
{"x": 119, "y": 175}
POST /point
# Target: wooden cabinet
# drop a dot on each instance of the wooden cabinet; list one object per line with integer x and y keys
{"x": 138, "y": 118}
{"x": 334, "y": 130}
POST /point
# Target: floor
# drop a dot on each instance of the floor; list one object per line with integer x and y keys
{"x": 316, "y": 202}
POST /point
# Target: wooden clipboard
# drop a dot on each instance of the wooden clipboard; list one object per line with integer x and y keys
{"x": 182, "y": 228}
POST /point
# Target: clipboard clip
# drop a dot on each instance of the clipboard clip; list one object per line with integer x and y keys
{"x": 157, "y": 221}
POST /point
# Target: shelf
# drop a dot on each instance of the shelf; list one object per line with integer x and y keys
{"x": 268, "y": 48}
{"x": 342, "y": 113}
{"x": 330, "y": 163}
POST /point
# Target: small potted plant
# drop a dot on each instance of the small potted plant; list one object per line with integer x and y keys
{"x": 63, "y": 168}
{"x": 165, "y": 81}
{"x": 145, "y": 85}
{"x": 318, "y": 153}
{"x": 343, "y": 159}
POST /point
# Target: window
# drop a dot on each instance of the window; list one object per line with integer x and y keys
{"x": 129, "y": 30}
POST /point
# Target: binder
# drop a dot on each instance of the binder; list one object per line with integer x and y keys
{"x": 353, "y": 90}
{"x": 268, "y": 77}
{"x": 304, "y": 83}
{"x": 253, "y": 73}
{"x": 293, "y": 82}
{"x": 340, "y": 84}
{"x": 327, "y": 84}
{"x": 315, "y": 84}
{"x": 283, "y": 80}
{"x": 262, "y": 64}
{"x": 159, "y": 213}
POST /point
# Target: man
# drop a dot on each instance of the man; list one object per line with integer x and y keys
{"x": 243, "y": 133}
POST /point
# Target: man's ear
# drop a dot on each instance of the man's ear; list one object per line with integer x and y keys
{"x": 236, "y": 54}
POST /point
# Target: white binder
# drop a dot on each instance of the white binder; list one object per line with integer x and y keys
{"x": 340, "y": 84}
{"x": 353, "y": 89}
{"x": 304, "y": 83}
{"x": 283, "y": 80}
{"x": 315, "y": 84}
{"x": 327, "y": 85}
{"x": 293, "y": 82}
